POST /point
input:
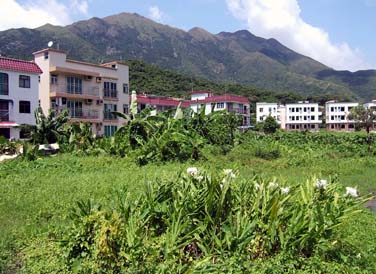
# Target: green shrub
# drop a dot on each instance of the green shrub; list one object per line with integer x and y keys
{"x": 202, "y": 221}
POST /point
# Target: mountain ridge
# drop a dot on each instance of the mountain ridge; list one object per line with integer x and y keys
{"x": 238, "y": 57}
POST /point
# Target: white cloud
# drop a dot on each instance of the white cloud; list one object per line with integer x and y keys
{"x": 281, "y": 19}
{"x": 35, "y": 13}
{"x": 79, "y": 7}
{"x": 155, "y": 14}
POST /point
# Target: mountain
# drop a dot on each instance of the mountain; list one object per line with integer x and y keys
{"x": 238, "y": 57}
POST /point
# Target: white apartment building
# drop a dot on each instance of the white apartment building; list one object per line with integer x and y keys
{"x": 230, "y": 103}
{"x": 337, "y": 115}
{"x": 18, "y": 95}
{"x": 275, "y": 110}
{"x": 370, "y": 105}
{"x": 303, "y": 116}
{"x": 90, "y": 92}
{"x": 299, "y": 116}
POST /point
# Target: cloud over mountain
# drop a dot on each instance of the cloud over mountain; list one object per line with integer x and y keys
{"x": 281, "y": 19}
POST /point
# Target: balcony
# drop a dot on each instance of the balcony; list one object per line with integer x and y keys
{"x": 74, "y": 92}
{"x": 110, "y": 94}
{"x": 81, "y": 115}
{"x": 108, "y": 115}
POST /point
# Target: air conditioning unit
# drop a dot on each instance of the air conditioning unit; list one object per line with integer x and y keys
{"x": 99, "y": 102}
{"x": 88, "y": 101}
{"x": 88, "y": 78}
{"x": 98, "y": 79}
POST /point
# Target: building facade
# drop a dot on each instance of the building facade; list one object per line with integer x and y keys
{"x": 298, "y": 116}
{"x": 263, "y": 110}
{"x": 159, "y": 103}
{"x": 18, "y": 95}
{"x": 89, "y": 92}
{"x": 337, "y": 116}
{"x": 230, "y": 103}
{"x": 303, "y": 116}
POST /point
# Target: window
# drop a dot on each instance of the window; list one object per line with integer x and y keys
{"x": 292, "y": 109}
{"x": 46, "y": 55}
{"x": 109, "y": 130}
{"x": 125, "y": 109}
{"x": 53, "y": 79}
{"x": 312, "y": 117}
{"x": 108, "y": 109}
{"x": 24, "y": 107}
{"x": 24, "y": 81}
{"x": 343, "y": 117}
{"x": 312, "y": 109}
{"x": 125, "y": 89}
{"x": 305, "y": 118}
{"x": 342, "y": 108}
{"x": 74, "y": 85}
{"x": 261, "y": 110}
{"x": 109, "y": 89}
{"x": 220, "y": 105}
{"x": 4, "y": 86}
{"x": 332, "y": 117}
{"x": 332, "y": 109}
{"x": 305, "y": 109}
{"x": 262, "y": 118}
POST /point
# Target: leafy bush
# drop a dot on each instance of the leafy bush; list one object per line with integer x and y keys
{"x": 202, "y": 222}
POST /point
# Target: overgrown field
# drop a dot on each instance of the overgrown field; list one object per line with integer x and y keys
{"x": 156, "y": 218}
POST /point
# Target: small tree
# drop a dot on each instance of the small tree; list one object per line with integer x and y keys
{"x": 270, "y": 125}
{"x": 364, "y": 118}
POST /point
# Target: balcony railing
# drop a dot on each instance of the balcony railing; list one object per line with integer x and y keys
{"x": 80, "y": 113}
{"x": 4, "y": 115}
{"x": 110, "y": 94}
{"x": 75, "y": 90}
{"x": 107, "y": 115}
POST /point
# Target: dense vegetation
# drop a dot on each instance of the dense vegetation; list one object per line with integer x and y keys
{"x": 272, "y": 203}
{"x": 151, "y": 79}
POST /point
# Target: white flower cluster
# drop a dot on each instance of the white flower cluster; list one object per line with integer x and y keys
{"x": 351, "y": 191}
{"x": 321, "y": 184}
{"x": 229, "y": 172}
{"x": 193, "y": 172}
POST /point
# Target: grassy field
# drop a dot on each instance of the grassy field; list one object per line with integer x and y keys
{"x": 35, "y": 197}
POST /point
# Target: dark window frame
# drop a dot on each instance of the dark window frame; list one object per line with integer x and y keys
{"x": 24, "y": 107}
{"x": 4, "y": 83}
{"x": 24, "y": 81}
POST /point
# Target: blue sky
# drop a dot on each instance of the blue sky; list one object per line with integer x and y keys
{"x": 338, "y": 33}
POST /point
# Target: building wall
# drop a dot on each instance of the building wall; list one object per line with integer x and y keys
{"x": 264, "y": 110}
{"x": 17, "y": 94}
{"x": 337, "y": 115}
{"x": 57, "y": 64}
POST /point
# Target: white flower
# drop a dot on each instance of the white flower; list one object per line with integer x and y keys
{"x": 257, "y": 186}
{"x": 352, "y": 192}
{"x": 358, "y": 256}
{"x": 230, "y": 173}
{"x": 321, "y": 184}
{"x": 224, "y": 180}
{"x": 227, "y": 171}
{"x": 273, "y": 185}
{"x": 192, "y": 171}
{"x": 200, "y": 178}
{"x": 285, "y": 190}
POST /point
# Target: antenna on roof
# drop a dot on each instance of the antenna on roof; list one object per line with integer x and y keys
{"x": 50, "y": 44}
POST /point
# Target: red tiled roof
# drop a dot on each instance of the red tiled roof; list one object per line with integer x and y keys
{"x": 19, "y": 65}
{"x": 160, "y": 101}
{"x": 223, "y": 98}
